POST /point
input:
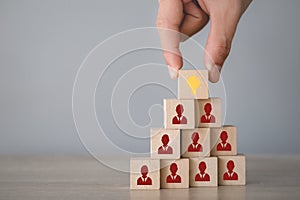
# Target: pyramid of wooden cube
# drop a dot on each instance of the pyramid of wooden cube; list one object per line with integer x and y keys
{"x": 193, "y": 149}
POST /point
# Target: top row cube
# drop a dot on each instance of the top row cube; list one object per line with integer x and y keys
{"x": 193, "y": 84}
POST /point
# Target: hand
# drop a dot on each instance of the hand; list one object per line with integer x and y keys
{"x": 177, "y": 17}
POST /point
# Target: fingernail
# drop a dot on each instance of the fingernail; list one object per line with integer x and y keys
{"x": 173, "y": 72}
{"x": 214, "y": 73}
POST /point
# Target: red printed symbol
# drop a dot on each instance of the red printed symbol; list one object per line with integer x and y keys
{"x": 224, "y": 145}
{"x": 230, "y": 174}
{"x": 208, "y": 117}
{"x": 144, "y": 179}
{"x": 202, "y": 176}
{"x": 165, "y": 148}
{"x": 173, "y": 177}
{"x": 179, "y": 119}
{"x": 195, "y": 146}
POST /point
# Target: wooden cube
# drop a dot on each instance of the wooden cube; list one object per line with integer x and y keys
{"x": 165, "y": 143}
{"x": 174, "y": 173}
{"x": 144, "y": 173}
{"x": 208, "y": 112}
{"x": 193, "y": 84}
{"x": 223, "y": 141}
{"x": 232, "y": 170}
{"x": 179, "y": 114}
{"x": 195, "y": 142}
{"x": 204, "y": 171}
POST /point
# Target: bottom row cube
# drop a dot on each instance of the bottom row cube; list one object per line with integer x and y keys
{"x": 144, "y": 173}
{"x": 232, "y": 170}
{"x": 148, "y": 173}
{"x": 204, "y": 171}
{"x": 174, "y": 173}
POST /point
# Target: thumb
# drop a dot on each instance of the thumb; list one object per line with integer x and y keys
{"x": 218, "y": 45}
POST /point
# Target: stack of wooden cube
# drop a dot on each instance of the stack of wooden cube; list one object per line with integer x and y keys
{"x": 193, "y": 149}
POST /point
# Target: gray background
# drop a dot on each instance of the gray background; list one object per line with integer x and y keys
{"x": 42, "y": 44}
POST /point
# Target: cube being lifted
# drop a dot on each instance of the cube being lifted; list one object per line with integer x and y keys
{"x": 144, "y": 173}
{"x": 179, "y": 114}
{"x": 232, "y": 170}
{"x": 193, "y": 84}
{"x": 165, "y": 143}
{"x": 208, "y": 112}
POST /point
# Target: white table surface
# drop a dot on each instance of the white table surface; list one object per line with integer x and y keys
{"x": 82, "y": 177}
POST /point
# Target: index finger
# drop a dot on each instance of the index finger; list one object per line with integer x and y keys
{"x": 170, "y": 16}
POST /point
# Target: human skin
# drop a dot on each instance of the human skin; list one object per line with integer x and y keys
{"x": 178, "y": 20}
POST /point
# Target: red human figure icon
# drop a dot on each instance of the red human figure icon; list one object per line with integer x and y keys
{"x": 195, "y": 146}
{"x": 179, "y": 119}
{"x": 165, "y": 148}
{"x": 173, "y": 177}
{"x": 144, "y": 179}
{"x": 230, "y": 174}
{"x": 202, "y": 176}
{"x": 208, "y": 117}
{"x": 224, "y": 145}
